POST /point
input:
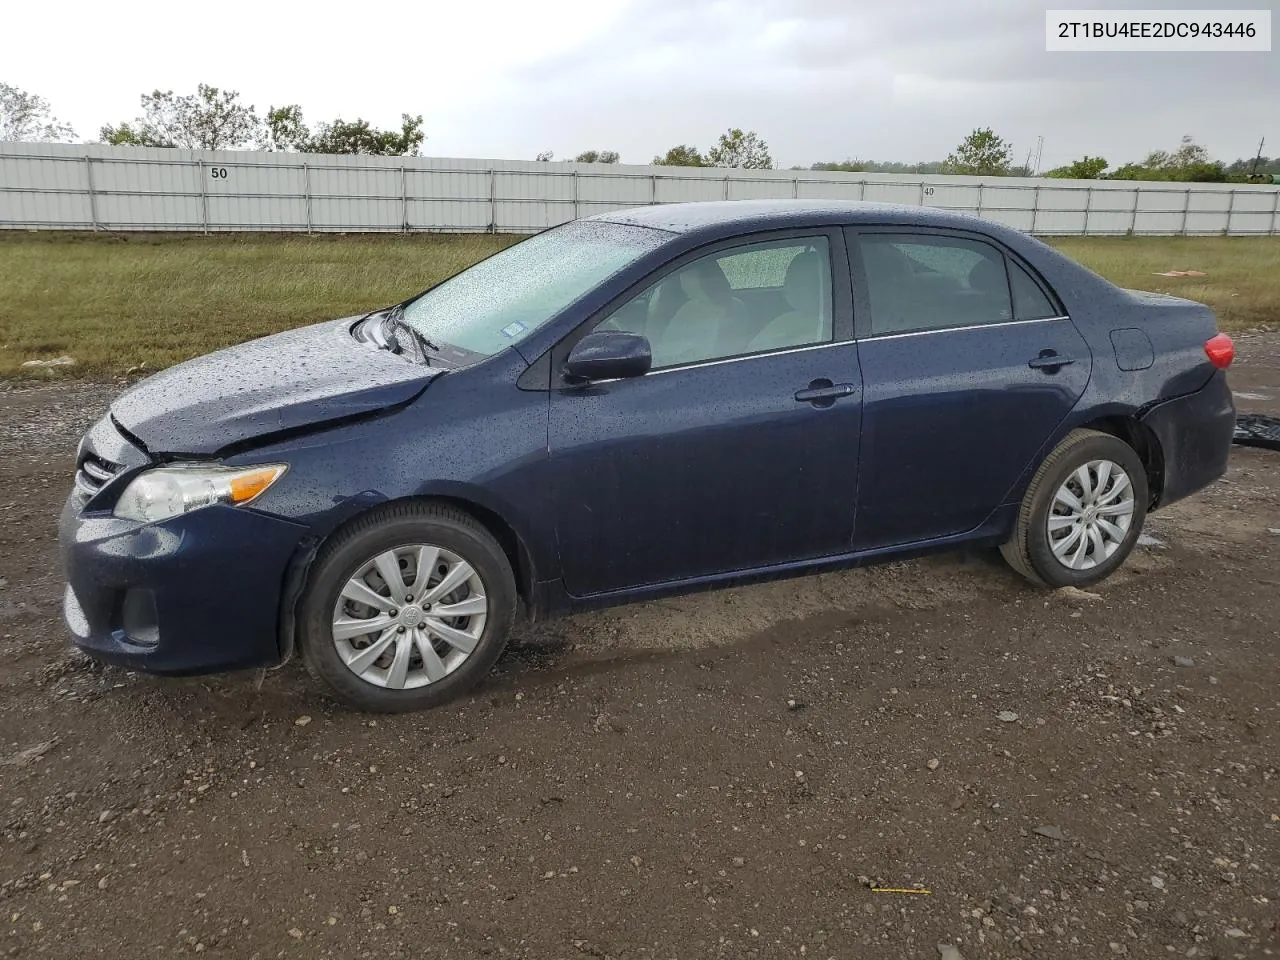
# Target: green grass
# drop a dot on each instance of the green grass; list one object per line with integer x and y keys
{"x": 118, "y": 302}
{"x": 1242, "y": 281}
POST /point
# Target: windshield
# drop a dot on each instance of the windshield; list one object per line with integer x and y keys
{"x": 500, "y": 301}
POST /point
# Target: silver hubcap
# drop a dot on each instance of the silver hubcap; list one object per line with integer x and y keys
{"x": 1091, "y": 514}
{"x": 410, "y": 616}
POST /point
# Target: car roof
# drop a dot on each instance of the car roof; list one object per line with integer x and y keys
{"x": 741, "y": 216}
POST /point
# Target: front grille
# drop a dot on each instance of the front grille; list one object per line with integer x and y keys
{"x": 95, "y": 473}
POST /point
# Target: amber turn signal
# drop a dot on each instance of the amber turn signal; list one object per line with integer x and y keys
{"x": 246, "y": 486}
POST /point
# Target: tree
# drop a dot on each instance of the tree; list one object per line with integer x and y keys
{"x": 27, "y": 117}
{"x": 213, "y": 119}
{"x": 981, "y": 153}
{"x": 597, "y": 156}
{"x": 1086, "y": 168}
{"x": 844, "y": 166}
{"x": 880, "y": 166}
{"x": 1254, "y": 165}
{"x": 209, "y": 119}
{"x": 285, "y": 130}
{"x": 1135, "y": 171}
{"x": 1189, "y": 163}
{"x": 1192, "y": 162}
{"x": 123, "y": 135}
{"x": 357, "y": 136}
{"x": 681, "y": 156}
{"x": 738, "y": 149}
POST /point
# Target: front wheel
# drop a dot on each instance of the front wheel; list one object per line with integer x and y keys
{"x": 1082, "y": 512}
{"x": 406, "y": 608}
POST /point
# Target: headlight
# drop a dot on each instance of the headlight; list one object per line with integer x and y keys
{"x": 164, "y": 492}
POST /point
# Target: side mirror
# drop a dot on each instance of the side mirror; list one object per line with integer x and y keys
{"x": 609, "y": 355}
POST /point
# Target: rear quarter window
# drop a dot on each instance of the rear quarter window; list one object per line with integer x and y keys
{"x": 1030, "y": 302}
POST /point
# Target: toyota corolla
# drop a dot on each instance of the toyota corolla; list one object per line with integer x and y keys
{"x": 641, "y": 403}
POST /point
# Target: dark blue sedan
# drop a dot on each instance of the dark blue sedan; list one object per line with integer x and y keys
{"x": 647, "y": 402}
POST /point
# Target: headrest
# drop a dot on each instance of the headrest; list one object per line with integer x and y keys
{"x": 704, "y": 280}
{"x": 803, "y": 283}
{"x": 885, "y": 263}
{"x": 988, "y": 277}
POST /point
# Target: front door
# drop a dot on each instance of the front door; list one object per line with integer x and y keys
{"x": 969, "y": 366}
{"x": 739, "y": 450}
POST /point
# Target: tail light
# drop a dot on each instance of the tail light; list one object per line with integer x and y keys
{"x": 1220, "y": 351}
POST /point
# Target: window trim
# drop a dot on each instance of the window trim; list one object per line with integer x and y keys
{"x": 842, "y": 312}
{"x": 720, "y": 361}
{"x": 862, "y": 300}
{"x": 959, "y": 328}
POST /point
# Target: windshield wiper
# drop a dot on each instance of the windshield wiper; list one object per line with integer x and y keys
{"x": 394, "y": 324}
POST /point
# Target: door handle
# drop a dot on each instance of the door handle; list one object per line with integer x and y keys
{"x": 1049, "y": 361}
{"x": 823, "y": 393}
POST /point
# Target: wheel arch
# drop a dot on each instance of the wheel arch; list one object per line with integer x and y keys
{"x": 502, "y": 530}
{"x": 1120, "y": 421}
{"x": 1031, "y": 550}
{"x": 1142, "y": 439}
{"x": 514, "y": 546}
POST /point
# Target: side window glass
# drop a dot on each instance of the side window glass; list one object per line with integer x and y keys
{"x": 917, "y": 282}
{"x": 761, "y": 266}
{"x": 758, "y": 297}
{"x": 1030, "y": 302}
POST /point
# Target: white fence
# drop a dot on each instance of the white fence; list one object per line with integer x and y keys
{"x": 93, "y": 187}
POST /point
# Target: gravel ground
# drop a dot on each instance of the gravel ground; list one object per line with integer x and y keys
{"x": 750, "y": 773}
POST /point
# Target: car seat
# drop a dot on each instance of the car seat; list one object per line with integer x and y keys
{"x": 697, "y": 327}
{"x": 809, "y": 319}
{"x": 988, "y": 300}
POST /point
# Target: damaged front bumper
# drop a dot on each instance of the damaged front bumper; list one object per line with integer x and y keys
{"x": 196, "y": 593}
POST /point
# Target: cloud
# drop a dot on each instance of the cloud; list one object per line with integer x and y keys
{"x": 829, "y": 79}
{"x": 818, "y": 79}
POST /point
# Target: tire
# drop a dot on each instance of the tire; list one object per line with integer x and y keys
{"x": 426, "y": 660}
{"x": 1030, "y": 551}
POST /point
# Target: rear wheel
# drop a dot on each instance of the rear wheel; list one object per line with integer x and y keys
{"x": 407, "y": 608}
{"x": 1082, "y": 512}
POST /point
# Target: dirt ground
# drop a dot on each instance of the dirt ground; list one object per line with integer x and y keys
{"x": 732, "y": 775}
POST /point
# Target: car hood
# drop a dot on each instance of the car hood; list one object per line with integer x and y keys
{"x": 287, "y": 381}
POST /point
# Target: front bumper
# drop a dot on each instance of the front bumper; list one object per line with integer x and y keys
{"x": 197, "y": 593}
{"x": 1195, "y": 434}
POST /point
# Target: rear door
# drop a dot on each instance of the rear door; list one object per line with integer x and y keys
{"x": 968, "y": 364}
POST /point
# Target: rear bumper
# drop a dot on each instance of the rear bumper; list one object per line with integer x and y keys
{"x": 1195, "y": 434}
{"x": 197, "y": 593}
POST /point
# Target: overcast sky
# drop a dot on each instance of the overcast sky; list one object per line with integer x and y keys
{"x": 818, "y": 79}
